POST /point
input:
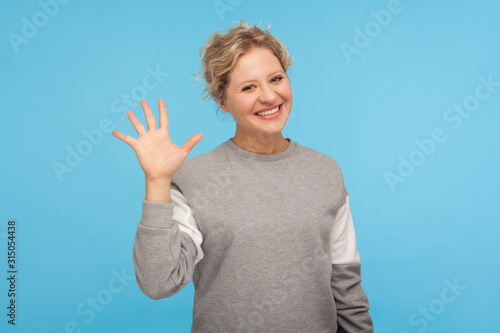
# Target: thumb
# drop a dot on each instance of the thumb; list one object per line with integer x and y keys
{"x": 192, "y": 141}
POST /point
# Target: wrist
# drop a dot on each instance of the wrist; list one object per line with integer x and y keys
{"x": 162, "y": 180}
{"x": 158, "y": 190}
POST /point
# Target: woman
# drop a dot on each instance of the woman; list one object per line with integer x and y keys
{"x": 264, "y": 220}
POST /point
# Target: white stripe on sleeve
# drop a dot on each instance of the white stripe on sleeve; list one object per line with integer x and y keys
{"x": 183, "y": 216}
{"x": 343, "y": 238}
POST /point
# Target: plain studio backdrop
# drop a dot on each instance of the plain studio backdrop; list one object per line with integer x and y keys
{"x": 404, "y": 95}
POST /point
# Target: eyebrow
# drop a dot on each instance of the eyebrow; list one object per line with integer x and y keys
{"x": 243, "y": 83}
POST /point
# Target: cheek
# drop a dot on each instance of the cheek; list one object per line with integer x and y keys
{"x": 286, "y": 91}
{"x": 244, "y": 104}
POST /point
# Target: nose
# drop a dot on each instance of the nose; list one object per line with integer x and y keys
{"x": 267, "y": 94}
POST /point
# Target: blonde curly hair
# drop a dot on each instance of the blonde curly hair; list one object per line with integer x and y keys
{"x": 222, "y": 51}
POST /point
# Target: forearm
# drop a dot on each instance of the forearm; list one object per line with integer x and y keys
{"x": 163, "y": 255}
{"x": 350, "y": 299}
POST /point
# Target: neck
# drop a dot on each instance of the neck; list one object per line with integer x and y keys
{"x": 261, "y": 144}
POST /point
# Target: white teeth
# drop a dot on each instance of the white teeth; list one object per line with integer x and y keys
{"x": 268, "y": 112}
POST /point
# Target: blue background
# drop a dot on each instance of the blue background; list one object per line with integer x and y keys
{"x": 437, "y": 226}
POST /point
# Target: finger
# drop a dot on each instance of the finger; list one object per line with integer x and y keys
{"x": 192, "y": 141}
{"x": 125, "y": 138}
{"x": 163, "y": 114}
{"x": 136, "y": 123}
{"x": 150, "y": 118}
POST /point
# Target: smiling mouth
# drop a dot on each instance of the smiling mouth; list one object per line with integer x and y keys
{"x": 269, "y": 112}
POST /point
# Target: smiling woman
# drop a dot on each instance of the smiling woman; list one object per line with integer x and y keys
{"x": 245, "y": 73}
{"x": 264, "y": 221}
{"x": 259, "y": 97}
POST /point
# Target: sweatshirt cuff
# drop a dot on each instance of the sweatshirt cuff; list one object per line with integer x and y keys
{"x": 156, "y": 214}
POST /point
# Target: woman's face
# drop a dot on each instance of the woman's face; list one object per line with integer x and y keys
{"x": 257, "y": 83}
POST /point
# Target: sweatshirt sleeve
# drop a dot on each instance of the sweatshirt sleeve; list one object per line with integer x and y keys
{"x": 167, "y": 246}
{"x": 350, "y": 298}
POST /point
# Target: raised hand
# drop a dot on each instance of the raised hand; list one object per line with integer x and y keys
{"x": 158, "y": 156}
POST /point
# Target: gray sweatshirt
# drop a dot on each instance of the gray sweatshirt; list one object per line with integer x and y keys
{"x": 270, "y": 237}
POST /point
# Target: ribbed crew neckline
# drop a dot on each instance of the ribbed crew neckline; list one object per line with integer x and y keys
{"x": 263, "y": 157}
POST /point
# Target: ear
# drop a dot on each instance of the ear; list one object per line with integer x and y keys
{"x": 222, "y": 105}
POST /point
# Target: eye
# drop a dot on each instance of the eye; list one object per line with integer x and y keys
{"x": 277, "y": 78}
{"x": 247, "y": 88}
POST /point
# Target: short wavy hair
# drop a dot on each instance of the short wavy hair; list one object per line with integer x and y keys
{"x": 222, "y": 51}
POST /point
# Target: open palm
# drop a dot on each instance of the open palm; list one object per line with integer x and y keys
{"x": 158, "y": 156}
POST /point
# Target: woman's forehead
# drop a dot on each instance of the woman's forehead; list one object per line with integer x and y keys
{"x": 254, "y": 65}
